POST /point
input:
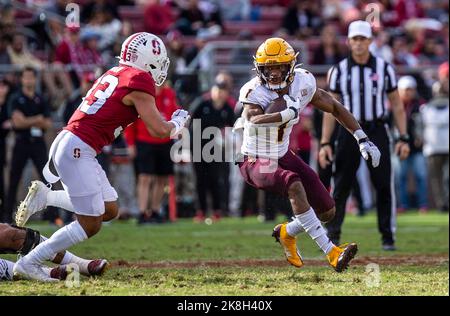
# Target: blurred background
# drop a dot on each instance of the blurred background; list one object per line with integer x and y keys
{"x": 211, "y": 46}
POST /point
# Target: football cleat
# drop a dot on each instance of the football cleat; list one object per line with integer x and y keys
{"x": 95, "y": 268}
{"x": 35, "y": 201}
{"x": 98, "y": 267}
{"x": 32, "y": 271}
{"x": 289, "y": 244}
{"x": 340, "y": 257}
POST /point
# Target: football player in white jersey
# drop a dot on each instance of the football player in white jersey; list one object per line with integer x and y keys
{"x": 269, "y": 165}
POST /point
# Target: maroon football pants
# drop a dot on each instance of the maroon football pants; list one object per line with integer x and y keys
{"x": 278, "y": 176}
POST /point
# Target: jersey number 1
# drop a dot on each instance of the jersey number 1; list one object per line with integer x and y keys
{"x": 98, "y": 94}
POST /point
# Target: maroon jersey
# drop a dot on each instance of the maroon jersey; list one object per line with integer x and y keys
{"x": 102, "y": 115}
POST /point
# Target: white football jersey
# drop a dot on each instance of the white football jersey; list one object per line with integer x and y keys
{"x": 272, "y": 140}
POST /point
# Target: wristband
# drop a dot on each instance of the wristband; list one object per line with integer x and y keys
{"x": 403, "y": 138}
{"x": 325, "y": 144}
{"x": 288, "y": 114}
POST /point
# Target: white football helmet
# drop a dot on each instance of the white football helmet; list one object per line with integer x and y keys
{"x": 147, "y": 52}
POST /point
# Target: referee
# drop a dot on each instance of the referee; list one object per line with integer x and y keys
{"x": 362, "y": 81}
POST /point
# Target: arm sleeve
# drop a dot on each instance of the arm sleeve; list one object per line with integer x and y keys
{"x": 142, "y": 81}
{"x": 391, "y": 79}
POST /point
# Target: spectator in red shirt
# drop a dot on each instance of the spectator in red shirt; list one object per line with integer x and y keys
{"x": 158, "y": 17}
{"x": 153, "y": 161}
{"x": 78, "y": 51}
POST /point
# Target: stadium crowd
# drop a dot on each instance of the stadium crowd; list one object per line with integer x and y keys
{"x": 50, "y": 57}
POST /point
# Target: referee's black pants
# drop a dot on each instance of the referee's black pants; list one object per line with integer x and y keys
{"x": 25, "y": 148}
{"x": 347, "y": 159}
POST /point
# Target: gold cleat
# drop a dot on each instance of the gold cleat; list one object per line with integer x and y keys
{"x": 289, "y": 244}
{"x": 340, "y": 257}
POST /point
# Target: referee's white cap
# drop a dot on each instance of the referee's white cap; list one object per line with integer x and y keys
{"x": 360, "y": 28}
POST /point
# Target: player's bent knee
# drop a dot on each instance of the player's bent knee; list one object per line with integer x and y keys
{"x": 328, "y": 215}
{"x": 111, "y": 211}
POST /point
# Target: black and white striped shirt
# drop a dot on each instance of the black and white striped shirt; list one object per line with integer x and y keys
{"x": 363, "y": 88}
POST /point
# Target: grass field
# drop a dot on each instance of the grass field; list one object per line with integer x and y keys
{"x": 239, "y": 257}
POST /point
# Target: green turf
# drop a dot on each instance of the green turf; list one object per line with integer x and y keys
{"x": 235, "y": 238}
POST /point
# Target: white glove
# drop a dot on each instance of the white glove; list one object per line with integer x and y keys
{"x": 367, "y": 148}
{"x": 179, "y": 119}
{"x": 293, "y": 108}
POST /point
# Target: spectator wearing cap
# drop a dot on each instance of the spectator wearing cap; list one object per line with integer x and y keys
{"x": 435, "y": 124}
{"x": 363, "y": 81}
{"x": 212, "y": 177}
{"x": 158, "y": 17}
{"x": 5, "y": 126}
{"x": 224, "y": 79}
{"x": 152, "y": 157}
{"x": 415, "y": 164}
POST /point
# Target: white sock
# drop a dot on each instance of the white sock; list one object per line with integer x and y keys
{"x": 314, "y": 228}
{"x": 60, "y": 199}
{"x": 71, "y": 258}
{"x": 62, "y": 239}
{"x": 6, "y": 270}
{"x": 294, "y": 227}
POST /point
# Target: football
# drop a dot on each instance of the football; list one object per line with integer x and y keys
{"x": 276, "y": 105}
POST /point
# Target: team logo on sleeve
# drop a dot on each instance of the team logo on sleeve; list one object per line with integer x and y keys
{"x": 304, "y": 92}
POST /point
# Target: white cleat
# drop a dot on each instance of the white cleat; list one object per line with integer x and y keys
{"x": 31, "y": 271}
{"x": 35, "y": 201}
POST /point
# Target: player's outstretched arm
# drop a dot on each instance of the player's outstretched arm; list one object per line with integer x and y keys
{"x": 155, "y": 123}
{"x": 325, "y": 102}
